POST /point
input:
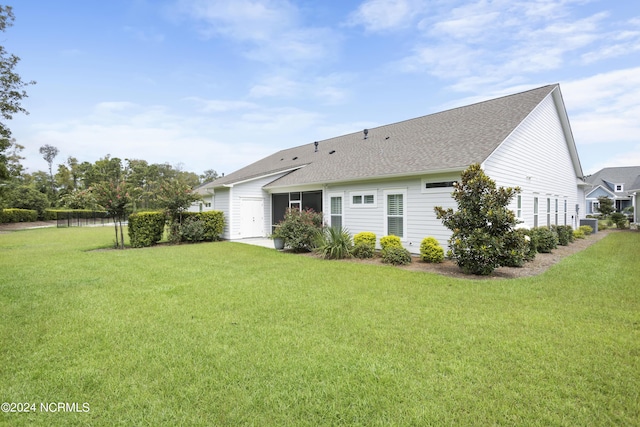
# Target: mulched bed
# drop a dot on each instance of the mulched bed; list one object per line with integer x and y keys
{"x": 540, "y": 264}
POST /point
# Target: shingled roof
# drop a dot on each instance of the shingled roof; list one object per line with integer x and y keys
{"x": 629, "y": 176}
{"x": 446, "y": 141}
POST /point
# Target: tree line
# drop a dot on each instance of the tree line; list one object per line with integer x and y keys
{"x": 73, "y": 184}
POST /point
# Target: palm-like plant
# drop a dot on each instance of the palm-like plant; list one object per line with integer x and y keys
{"x": 334, "y": 243}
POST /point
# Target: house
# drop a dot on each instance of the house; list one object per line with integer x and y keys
{"x": 621, "y": 184}
{"x": 388, "y": 179}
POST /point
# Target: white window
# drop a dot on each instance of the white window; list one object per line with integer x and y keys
{"x": 336, "y": 211}
{"x": 363, "y": 200}
{"x": 535, "y": 211}
{"x": 395, "y": 213}
{"x": 548, "y": 212}
{"x": 556, "y": 217}
{"x": 565, "y": 212}
{"x": 595, "y": 207}
{"x": 619, "y": 188}
{"x": 519, "y": 207}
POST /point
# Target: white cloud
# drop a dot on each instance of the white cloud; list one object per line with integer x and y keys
{"x": 329, "y": 89}
{"x": 383, "y": 15}
{"x": 269, "y": 31}
{"x": 479, "y": 45}
{"x": 223, "y": 135}
{"x": 605, "y": 108}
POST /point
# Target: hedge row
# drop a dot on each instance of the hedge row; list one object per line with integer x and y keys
{"x": 18, "y": 215}
{"x": 146, "y": 228}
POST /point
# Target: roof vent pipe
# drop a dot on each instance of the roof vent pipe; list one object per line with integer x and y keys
{"x": 366, "y": 132}
{"x": 316, "y": 144}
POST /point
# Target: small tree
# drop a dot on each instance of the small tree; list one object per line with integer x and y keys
{"x": 483, "y": 227}
{"x": 176, "y": 197}
{"x": 605, "y": 206}
{"x": 114, "y": 198}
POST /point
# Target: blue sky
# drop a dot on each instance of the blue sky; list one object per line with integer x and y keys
{"x": 212, "y": 84}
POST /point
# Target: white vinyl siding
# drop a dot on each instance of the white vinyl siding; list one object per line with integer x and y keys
{"x": 536, "y": 158}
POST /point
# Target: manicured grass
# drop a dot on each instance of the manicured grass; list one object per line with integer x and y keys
{"x": 228, "y": 334}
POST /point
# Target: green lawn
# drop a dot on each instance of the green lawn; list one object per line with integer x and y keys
{"x": 229, "y": 334}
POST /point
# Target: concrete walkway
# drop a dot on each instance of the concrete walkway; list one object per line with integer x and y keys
{"x": 257, "y": 241}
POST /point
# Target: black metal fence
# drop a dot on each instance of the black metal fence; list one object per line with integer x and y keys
{"x": 82, "y": 218}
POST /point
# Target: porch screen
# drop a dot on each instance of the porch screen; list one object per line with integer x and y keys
{"x": 395, "y": 212}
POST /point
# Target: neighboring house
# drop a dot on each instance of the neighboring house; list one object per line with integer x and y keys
{"x": 388, "y": 179}
{"x": 206, "y": 202}
{"x": 620, "y": 184}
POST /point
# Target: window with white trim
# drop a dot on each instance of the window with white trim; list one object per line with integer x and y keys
{"x": 395, "y": 212}
{"x": 556, "y": 217}
{"x": 535, "y": 211}
{"x": 619, "y": 188}
{"x": 360, "y": 200}
{"x": 548, "y": 211}
{"x": 519, "y": 206}
{"x": 336, "y": 211}
{"x": 565, "y": 211}
{"x": 595, "y": 207}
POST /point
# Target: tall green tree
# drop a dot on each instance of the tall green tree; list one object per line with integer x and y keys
{"x": 605, "y": 206}
{"x": 12, "y": 91}
{"x": 49, "y": 153}
{"x": 483, "y": 227}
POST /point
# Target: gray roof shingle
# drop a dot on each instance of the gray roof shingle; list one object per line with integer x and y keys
{"x": 449, "y": 140}
{"x": 629, "y": 176}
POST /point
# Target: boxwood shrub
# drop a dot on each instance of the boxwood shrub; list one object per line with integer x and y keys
{"x": 431, "y": 251}
{"x": 18, "y": 215}
{"x": 146, "y": 228}
{"x": 546, "y": 239}
{"x": 365, "y": 237}
{"x": 565, "y": 234}
{"x": 363, "y": 250}
{"x": 396, "y": 255}
{"x": 390, "y": 241}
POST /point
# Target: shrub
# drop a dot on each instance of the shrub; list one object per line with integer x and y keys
{"x": 565, "y": 234}
{"x": 300, "y": 228}
{"x": 146, "y": 228}
{"x": 396, "y": 255}
{"x": 586, "y": 229}
{"x": 18, "y": 215}
{"x": 365, "y": 237}
{"x": 213, "y": 222}
{"x": 192, "y": 230}
{"x": 546, "y": 239}
{"x": 334, "y": 243}
{"x": 196, "y": 227}
{"x": 363, "y": 250}
{"x": 390, "y": 241}
{"x": 480, "y": 223}
{"x": 602, "y": 225}
{"x": 431, "y": 251}
{"x": 516, "y": 250}
{"x": 619, "y": 219}
{"x": 578, "y": 234}
{"x": 532, "y": 244}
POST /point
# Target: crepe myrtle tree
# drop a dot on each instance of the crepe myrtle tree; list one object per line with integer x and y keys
{"x": 114, "y": 198}
{"x": 483, "y": 227}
